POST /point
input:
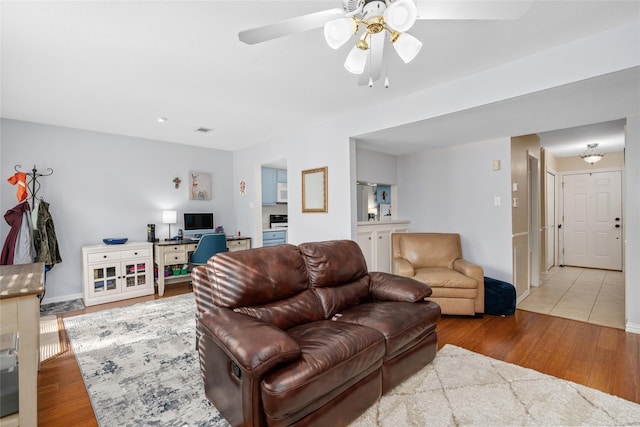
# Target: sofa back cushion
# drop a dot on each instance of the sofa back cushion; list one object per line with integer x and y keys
{"x": 428, "y": 249}
{"x": 337, "y": 273}
{"x": 269, "y": 283}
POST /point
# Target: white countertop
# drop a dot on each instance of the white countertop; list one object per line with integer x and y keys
{"x": 393, "y": 221}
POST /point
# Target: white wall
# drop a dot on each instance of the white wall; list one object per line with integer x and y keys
{"x": 375, "y": 167}
{"x": 632, "y": 223}
{"x": 453, "y": 190}
{"x": 106, "y": 185}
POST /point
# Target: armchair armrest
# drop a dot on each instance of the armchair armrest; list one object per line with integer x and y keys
{"x": 391, "y": 287}
{"x": 469, "y": 269}
{"x": 402, "y": 267}
{"x": 253, "y": 345}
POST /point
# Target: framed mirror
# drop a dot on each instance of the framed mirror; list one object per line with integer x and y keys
{"x": 314, "y": 190}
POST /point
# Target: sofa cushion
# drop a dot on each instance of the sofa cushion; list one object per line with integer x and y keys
{"x": 430, "y": 249}
{"x": 335, "y": 355}
{"x": 401, "y": 332}
{"x": 256, "y": 277}
{"x": 333, "y": 263}
{"x": 288, "y": 312}
{"x": 337, "y": 298}
{"x": 444, "y": 278}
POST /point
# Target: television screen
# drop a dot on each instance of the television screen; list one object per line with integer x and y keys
{"x": 198, "y": 221}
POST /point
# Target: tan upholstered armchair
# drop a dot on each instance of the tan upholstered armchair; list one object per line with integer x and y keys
{"x": 436, "y": 259}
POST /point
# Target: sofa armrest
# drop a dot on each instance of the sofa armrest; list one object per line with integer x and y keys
{"x": 402, "y": 267}
{"x": 391, "y": 287}
{"x": 253, "y": 345}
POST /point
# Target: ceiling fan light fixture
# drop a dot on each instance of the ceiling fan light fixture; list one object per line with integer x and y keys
{"x": 406, "y": 46}
{"x": 356, "y": 60}
{"x": 401, "y": 15}
{"x": 339, "y": 31}
{"x": 592, "y": 154}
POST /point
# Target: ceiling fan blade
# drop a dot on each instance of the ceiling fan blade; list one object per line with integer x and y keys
{"x": 298, "y": 24}
{"x": 375, "y": 60}
{"x": 473, "y": 9}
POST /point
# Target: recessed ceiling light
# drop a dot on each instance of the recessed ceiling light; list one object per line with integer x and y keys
{"x": 162, "y": 119}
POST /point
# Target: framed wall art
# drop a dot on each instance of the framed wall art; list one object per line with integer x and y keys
{"x": 199, "y": 186}
{"x": 314, "y": 190}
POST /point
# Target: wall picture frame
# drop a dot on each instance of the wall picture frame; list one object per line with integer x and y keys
{"x": 314, "y": 190}
{"x": 199, "y": 185}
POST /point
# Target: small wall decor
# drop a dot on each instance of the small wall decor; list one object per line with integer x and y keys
{"x": 177, "y": 182}
{"x": 314, "y": 190}
{"x": 243, "y": 187}
{"x": 199, "y": 186}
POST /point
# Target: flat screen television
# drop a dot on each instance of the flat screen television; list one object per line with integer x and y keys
{"x": 196, "y": 224}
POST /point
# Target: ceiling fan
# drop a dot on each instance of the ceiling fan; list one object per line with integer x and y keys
{"x": 379, "y": 18}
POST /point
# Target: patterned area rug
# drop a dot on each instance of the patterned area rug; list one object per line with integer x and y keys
{"x": 61, "y": 307}
{"x": 140, "y": 367}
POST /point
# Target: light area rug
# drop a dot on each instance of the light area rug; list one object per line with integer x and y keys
{"x": 140, "y": 367}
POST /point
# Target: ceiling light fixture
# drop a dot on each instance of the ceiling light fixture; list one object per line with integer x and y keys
{"x": 162, "y": 119}
{"x": 592, "y": 154}
{"x": 395, "y": 17}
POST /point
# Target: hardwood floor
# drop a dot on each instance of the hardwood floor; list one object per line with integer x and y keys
{"x": 600, "y": 357}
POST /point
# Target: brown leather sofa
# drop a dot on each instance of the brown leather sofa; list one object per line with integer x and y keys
{"x": 304, "y": 335}
{"x": 436, "y": 260}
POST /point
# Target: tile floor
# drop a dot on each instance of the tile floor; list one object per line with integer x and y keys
{"x": 594, "y": 296}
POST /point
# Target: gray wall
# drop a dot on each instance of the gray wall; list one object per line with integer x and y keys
{"x": 107, "y": 185}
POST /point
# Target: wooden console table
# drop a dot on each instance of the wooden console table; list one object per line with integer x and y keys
{"x": 176, "y": 252}
{"x": 20, "y": 312}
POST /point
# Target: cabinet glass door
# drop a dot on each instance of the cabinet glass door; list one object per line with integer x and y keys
{"x": 105, "y": 279}
{"x": 135, "y": 274}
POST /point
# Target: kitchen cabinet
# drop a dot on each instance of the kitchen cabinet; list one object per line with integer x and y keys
{"x": 117, "y": 272}
{"x": 374, "y": 239}
{"x": 274, "y": 237}
{"x": 271, "y": 177}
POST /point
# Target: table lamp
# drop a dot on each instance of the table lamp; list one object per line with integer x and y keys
{"x": 169, "y": 217}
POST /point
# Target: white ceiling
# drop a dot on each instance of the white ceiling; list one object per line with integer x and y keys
{"x": 115, "y": 66}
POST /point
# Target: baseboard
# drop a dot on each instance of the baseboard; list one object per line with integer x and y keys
{"x": 62, "y": 298}
{"x": 634, "y": 328}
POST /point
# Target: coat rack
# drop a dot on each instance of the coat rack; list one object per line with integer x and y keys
{"x": 33, "y": 185}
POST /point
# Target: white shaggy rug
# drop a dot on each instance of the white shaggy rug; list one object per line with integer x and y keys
{"x": 140, "y": 367}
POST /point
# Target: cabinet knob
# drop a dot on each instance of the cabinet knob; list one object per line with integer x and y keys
{"x": 379, "y": 237}
{"x": 369, "y": 238}
{"x": 104, "y": 256}
{"x": 135, "y": 253}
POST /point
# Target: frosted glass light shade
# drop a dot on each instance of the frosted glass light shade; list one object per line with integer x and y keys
{"x": 169, "y": 217}
{"x": 407, "y": 47}
{"x": 356, "y": 60}
{"x": 339, "y": 31}
{"x": 401, "y": 15}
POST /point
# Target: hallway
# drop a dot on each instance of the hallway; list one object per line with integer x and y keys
{"x": 593, "y": 296}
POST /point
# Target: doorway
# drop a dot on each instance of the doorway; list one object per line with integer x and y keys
{"x": 533, "y": 183}
{"x": 592, "y": 204}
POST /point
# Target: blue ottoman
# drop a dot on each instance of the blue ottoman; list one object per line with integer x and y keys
{"x": 499, "y": 297}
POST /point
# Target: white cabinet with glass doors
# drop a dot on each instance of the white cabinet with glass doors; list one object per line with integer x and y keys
{"x": 117, "y": 272}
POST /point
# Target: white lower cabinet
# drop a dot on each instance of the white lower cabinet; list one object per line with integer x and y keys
{"x": 374, "y": 239}
{"x": 117, "y": 272}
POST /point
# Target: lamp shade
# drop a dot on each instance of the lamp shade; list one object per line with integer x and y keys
{"x": 356, "y": 60}
{"x": 401, "y": 15}
{"x": 169, "y": 217}
{"x": 407, "y": 47}
{"x": 339, "y": 31}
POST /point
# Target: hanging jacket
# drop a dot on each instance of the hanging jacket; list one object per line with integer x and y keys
{"x": 18, "y": 247}
{"x": 44, "y": 237}
{"x": 19, "y": 178}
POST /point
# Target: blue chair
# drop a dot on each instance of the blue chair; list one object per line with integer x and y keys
{"x": 209, "y": 245}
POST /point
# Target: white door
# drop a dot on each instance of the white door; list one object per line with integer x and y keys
{"x": 593, "y": 220}
{"x": 551, "y": 220}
